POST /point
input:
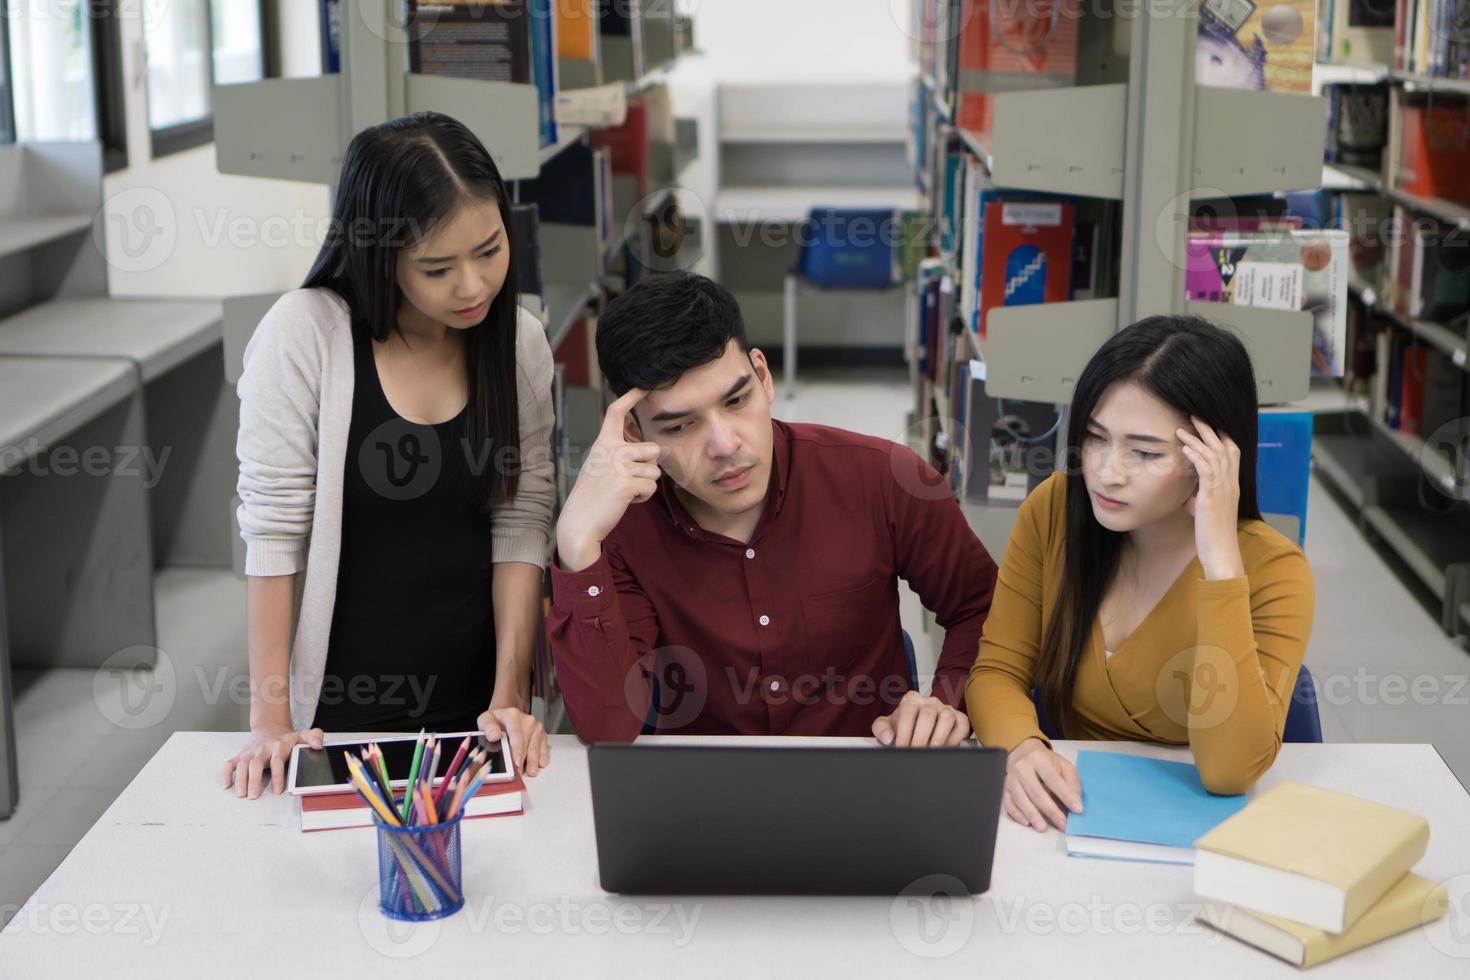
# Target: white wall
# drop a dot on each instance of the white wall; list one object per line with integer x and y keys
{"x": 177, "y": 227}
{"x": 830, "y": 40}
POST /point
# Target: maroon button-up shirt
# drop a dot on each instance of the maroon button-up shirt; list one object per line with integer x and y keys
{"x": 796, "y": 632}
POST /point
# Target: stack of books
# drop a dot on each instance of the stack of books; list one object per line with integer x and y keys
{"x": 1307, "y": 874}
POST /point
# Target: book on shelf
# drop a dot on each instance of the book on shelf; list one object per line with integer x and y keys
{"x": 1411, "y": 902}
{"x": 504, "y": 41}
{"x": 1290, "y": 270}
{"x": 1368, "y": 220}
{"x": 1027, "y": 255}
{"x": 1309, "y": 854}
{"x": 1356, "y": 32}
{"x": 330, "y": 26}
{"x": 1429, "y": 148}
{"x": 543, "y": 63}
{"x": 1430, "y": 39}
{"x": 1357, "y": 123}
{"x": 624, "y": 20}
{"x": 1258, "y": 47}
{"x": 526, "y": 248}
{"x": 578, "y": 32}
{"x": 1284, "y": 465}
{"x": 1005, "y": 47}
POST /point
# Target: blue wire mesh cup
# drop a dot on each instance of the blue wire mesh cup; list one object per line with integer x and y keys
{"x": 419, "y": 871}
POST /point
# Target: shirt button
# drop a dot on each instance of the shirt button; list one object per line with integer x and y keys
{"x": 775, "y": 685}
{"x": 750, "y": 552}
{"x": 594, "y": 591}
{"x": 765, "y": 620}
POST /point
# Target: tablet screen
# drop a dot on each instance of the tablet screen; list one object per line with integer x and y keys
{"x": 318, "y": 768}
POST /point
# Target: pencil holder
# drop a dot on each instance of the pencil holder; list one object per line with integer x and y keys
{"x": 419, "y": 871}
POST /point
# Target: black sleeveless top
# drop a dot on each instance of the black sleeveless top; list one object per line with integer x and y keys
{"x": 413, "y": 630}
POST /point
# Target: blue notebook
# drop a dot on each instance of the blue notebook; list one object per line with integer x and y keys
{"x": 1137, "y": 809}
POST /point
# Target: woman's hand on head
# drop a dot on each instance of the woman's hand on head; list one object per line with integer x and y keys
{"x": 1215, "y": 505}
{"x": 269, "y": 747}
{"x": 528, "y": 743}
{"x": 1041, "y": 787}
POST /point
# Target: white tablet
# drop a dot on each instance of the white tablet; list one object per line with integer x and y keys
{"x": 324, "y": 770}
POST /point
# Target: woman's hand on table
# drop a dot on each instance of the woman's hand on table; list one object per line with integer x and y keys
{"x": 1039, "y": 785}
{"x": 528, "y": 743}
{"x": 270, "y": 748}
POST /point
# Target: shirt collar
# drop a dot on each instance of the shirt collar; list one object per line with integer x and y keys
{"x": 775, "y": 493}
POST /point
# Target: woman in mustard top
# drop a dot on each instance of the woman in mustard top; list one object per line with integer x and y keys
{"x": 1141, "y": 594}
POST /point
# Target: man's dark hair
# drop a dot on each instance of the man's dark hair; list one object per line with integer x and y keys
{"x": 663, "y": 326}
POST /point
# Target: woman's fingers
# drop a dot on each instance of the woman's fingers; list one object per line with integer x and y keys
{"x": 1028, "y": 809}
{"x": 1041, "y": 799}
{"x": 1053, "y": 780}
{"x": 278, "y": 765}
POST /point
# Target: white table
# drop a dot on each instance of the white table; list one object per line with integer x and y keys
{"x": 180, "y": 878}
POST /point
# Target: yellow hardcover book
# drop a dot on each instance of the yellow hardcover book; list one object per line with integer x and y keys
{"x": 1312, "y": 855}
{"x": 1412, "y": 902}
{"x": 576, "y": 29}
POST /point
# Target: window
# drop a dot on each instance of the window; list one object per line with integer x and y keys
{"x": 7, "y": 124}
{"x": 107, "y": 71}
{"x": 237, "y": 41}
{"x": 192, "y": 45}
{"x": 50, "y": 71}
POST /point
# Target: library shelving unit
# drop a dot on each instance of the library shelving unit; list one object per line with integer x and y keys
{"x": 89, "y": 383}
{"x": 1409, "y": 494}
{"x": 1139, "y": 131}
{"x": 298, "y": 129}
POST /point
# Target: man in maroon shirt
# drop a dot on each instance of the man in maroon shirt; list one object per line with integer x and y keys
{"x": 743, "y": 568}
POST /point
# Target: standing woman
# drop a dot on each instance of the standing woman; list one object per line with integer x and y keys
{"x": 1144, "y": 598}
{"x": 395, "y": 467}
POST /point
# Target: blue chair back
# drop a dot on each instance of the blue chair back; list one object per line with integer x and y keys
{"x": 913, "y": 661}
{"x": 849, "y": 248}
{"x": 1303, "y": 721}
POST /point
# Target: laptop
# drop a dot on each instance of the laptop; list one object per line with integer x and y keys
{"x": 753, "y": 820}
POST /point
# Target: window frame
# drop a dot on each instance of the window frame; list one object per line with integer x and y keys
{"x": 108, "y": 95}
{"x": 7, "y": 103}
{"x": 199, "y": 132}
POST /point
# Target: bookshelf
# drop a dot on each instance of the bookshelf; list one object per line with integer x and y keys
{"x": 1407, "y": 488}
{"x": 1136, "y": 130}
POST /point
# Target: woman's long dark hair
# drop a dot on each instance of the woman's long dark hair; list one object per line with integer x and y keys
{"x": 399, "y": 181}
{"x": 1193, "y": 367}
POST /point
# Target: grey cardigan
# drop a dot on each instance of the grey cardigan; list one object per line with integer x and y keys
{"x": 295, "y": 410}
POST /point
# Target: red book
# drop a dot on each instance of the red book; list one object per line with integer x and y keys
{"x": 1001, "y": 40}
{"x": 1026, "y": 255}
{"x": 334, "y": 811}
{"x": 628, "y": 145}
{"x": 1411, "y": 408}
{"x": 1434, "y": 150}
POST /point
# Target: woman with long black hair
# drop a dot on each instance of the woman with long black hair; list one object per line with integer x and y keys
{"x": 395, "y": 470}
{"x": 1141, "y": 595}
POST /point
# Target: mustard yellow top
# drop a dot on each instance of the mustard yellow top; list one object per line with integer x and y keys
{"x": 1212, "y": 665}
